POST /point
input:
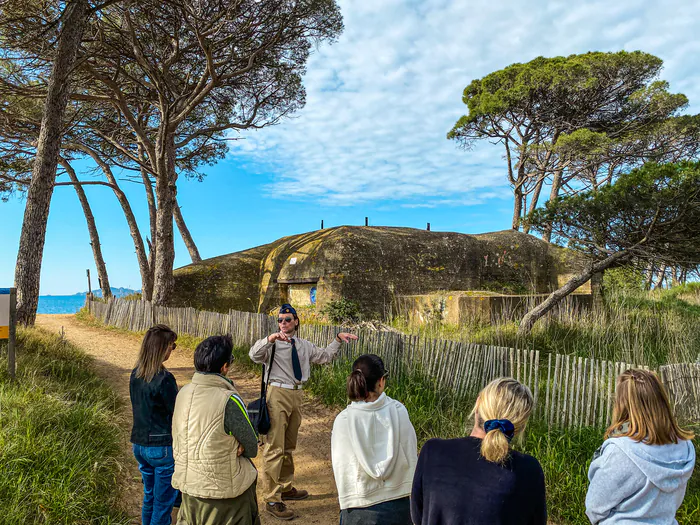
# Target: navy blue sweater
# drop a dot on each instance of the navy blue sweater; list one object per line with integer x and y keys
{"x": 454, "y": 485}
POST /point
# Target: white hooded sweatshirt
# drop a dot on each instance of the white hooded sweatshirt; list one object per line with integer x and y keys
{"x": 374, "y": 452}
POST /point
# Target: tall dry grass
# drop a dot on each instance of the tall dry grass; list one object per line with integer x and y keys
{"x": 634, "y": 326}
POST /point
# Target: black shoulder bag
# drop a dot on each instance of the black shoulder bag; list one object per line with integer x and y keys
{"x": 257, "y": 410}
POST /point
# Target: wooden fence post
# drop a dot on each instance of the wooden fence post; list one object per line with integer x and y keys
{"x": 11, "y": 348}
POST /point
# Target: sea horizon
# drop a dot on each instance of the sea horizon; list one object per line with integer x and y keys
{"x": 71, "y": 304}
{"x": 60, "y": 304}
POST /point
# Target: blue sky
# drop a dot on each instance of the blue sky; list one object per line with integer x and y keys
{"x": 371, "y": 139}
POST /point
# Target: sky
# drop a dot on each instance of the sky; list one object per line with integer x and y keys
{"x": 371, "y": 140}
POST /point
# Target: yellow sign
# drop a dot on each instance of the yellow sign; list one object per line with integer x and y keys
{"x": 4, "y": 315}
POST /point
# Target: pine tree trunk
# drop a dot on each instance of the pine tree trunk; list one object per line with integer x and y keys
{"x": 166, "y": 193}
{"x": 557, "y": 296}
{"x": 553, "y": 194}
{"x": 533, "y": 203}
{"x": 660, "y": 275}
{"x": 675, "y": 276}
{"x": 140, "y": 249}
{"x": 150, "y": 196}
{"x": 147, "y": 291}
{"x": 517, "y": 207}
{"x": 92, "y": 230}
{"x": 141, "y": 257}
{"x": 36, "y": 213}
{"x": 649, "y": 276}
{"x": 186, "y": 236}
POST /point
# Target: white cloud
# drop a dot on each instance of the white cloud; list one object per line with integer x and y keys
{"x": 381, "y": 100}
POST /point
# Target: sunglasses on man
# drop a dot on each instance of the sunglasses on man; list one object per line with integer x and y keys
{"x": 281, "y": 320}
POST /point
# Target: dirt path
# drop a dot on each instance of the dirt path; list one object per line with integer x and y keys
{"x": 115, "y": 354}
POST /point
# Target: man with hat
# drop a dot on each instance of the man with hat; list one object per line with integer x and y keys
{"x": 290, "y": 370}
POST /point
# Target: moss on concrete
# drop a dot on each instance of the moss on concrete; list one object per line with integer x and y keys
{"x": 372, "y": 266}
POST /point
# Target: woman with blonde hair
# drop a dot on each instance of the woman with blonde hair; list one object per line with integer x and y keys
{"x": 640, "y": 473}
{"x": 479, "y": 479}
{"x": 153, "y": 390}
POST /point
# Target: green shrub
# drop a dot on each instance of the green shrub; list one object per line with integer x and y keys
{"x": 242, "y": 360}
{"x": 84, "y": 316}
{"x": 60, "y": 437}
{"x": 623, "y": 279}
{"x": 342, "y": 311}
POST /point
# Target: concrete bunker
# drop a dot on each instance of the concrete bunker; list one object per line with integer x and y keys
{"x": 382, "y": 269}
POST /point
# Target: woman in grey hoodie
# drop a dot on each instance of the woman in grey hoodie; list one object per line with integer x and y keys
{"x": 640, "y": 473}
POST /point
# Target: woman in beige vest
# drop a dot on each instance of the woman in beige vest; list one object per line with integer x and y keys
{"x": 213, "y": 442}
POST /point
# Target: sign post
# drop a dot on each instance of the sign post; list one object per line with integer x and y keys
{"x": 8, "y": 320}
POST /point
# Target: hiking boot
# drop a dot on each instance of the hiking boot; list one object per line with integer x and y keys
{"x": 294, "y": 494}
{"x": 280, "y": 511}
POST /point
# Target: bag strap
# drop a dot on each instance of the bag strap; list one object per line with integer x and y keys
{"x": 263, "y": 383}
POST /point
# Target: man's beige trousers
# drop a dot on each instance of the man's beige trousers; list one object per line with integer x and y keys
{"x": 281, "y": 441}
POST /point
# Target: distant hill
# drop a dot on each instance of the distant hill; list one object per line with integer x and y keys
{"x": 116, "y": 292}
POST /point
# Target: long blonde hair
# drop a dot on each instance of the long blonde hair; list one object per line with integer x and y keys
{"x": 154, "y": 348}
{"x": 642, "y": 410}
{"x": 503, "y": 398}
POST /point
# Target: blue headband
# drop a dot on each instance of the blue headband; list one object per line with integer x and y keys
{"x": 503, "y": 425}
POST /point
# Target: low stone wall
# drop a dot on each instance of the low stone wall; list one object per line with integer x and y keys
{"x": 459, "y": 308}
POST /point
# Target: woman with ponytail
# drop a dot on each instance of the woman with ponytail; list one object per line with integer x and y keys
{"x": 374, "y": 450}
{"x": 479, "y": 479}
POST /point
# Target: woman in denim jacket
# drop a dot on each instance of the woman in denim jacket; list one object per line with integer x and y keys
{"x": 153, "y": 390}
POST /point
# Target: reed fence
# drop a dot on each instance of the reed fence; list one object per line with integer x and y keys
{"x": 576, "y": 391}
{"x": 683, "y": 384}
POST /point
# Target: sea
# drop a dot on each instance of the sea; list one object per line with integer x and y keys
{"x": 70, "y": 304}
{"x": 60, "y": 304}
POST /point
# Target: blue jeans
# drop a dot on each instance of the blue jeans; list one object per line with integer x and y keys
{"x": 156, "y": 465}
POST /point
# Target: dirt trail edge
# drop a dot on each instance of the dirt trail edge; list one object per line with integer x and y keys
{"x": 115, "y": 354}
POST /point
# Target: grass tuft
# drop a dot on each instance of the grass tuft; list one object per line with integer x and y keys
{"x": 59, "y": 437}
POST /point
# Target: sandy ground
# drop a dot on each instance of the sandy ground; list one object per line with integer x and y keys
{"x": 115, "y": 354}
